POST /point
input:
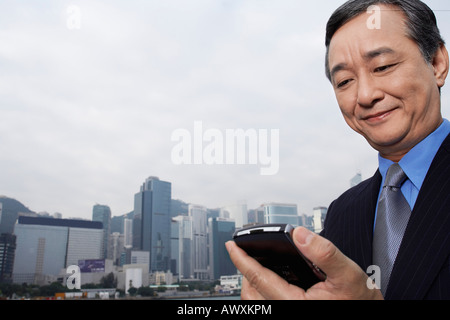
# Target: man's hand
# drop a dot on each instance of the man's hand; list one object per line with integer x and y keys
{"x": 345, "y": 279}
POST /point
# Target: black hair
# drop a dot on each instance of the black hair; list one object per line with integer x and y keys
{"x": 420, "y": 22}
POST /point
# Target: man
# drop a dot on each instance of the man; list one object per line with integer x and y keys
{"x": 387, "y": 80}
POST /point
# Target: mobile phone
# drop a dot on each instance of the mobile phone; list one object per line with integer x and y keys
{"x": 272, "y": 246}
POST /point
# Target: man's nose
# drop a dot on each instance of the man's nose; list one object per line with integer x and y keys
{"x": 368, "y": 91}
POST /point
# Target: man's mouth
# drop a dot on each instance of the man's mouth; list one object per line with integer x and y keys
{"x": 377, "y": 117}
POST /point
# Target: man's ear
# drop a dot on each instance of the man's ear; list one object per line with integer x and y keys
{"x": 441, "y": 65}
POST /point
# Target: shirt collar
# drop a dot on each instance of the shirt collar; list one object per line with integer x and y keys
{"x": 418, "y": 160}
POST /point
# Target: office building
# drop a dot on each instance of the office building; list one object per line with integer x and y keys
{"x": 319, "y": 215}
{"x": 133, "y": 276}
{"x": 116, "y": 246}
{"x": 117, "y": 223}
{"x": 7, "y": 251}
{"x": 182, "y": 247}
{"x": 236, "y": 212}
{"x": 281, "y": 213}
{"x": 220, "y": 231}
{"x": 128, "y": 232}
{"x": 44, "y": 246}
{"x": 306, "y": 221}
{"x": 139, "y": 257}
{"x": 357, "y": 179}
{"x": 256, "y": 216}
{"x": 174, "y": 246}
{"x": 199, "y": 241}
{"x": 151, "y": 223}
{"x": 102, "y": 213}
{"x": 161, "y": 278}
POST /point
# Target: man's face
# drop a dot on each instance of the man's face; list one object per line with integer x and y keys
{"x": 384, "y": 87}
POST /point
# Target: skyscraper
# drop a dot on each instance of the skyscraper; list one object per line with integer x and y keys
{"x": 220, "y": 231}
{"x": 128, "y": 232}
{"x": 199, "y": 241}
{"x": 103, "y": 214}
{"x": 182, "y": 247}
{"x": 151, "y": 224}
{"x": 7, "y": 251}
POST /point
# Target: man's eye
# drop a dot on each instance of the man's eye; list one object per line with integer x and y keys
{"x": 383, "y": 68}
{"x": 343, "y": 83}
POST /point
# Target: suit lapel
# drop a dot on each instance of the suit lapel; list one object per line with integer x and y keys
{"x": 360, "y": 229}
{"x": 426, "y": 245}
{"x": 349, "y": 222}
{"x": 367, "y": 206}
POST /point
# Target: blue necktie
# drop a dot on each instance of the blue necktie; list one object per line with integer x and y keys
{"x": 392, "y": 218}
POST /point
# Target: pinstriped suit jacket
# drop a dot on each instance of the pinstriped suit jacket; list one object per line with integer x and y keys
{"x": 422, "y": 268}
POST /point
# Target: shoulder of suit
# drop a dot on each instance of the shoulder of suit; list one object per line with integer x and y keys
{"x": 446, "y": 143}
{"x": 362, "y": 187}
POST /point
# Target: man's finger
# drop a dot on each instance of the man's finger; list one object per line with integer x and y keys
{"x": 345, "y": 279}
{"x": 266, "y": 282}
{"x": 248, "y": 292}
{"x": 322, "y": 252}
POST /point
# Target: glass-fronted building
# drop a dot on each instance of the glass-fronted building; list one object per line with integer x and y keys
{"x": 281, "y": 213}
{"x": 220, "y": 231}
{"x": 7, "y": 251}
{"x": 44, "y": 246}
{"x": 102, "y": 213}
{"x": 182, "y": 247}
{"x": 151, "y": 224}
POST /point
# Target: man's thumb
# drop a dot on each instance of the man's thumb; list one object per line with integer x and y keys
{"x": 321, "y": 252}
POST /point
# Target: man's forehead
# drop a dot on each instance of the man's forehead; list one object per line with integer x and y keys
{"x": 370, "y": 42}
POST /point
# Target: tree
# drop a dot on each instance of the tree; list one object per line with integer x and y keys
{"x": 145, "y": 291}
{"x": 51, "y": 289}
{"x": 108, "y": 281}
{"x": 132, "y": 291}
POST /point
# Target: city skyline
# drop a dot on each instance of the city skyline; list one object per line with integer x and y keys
{"x": 186, "y": 243}
{"x": 59, "y": 215}
{"x": 92, "y": 92}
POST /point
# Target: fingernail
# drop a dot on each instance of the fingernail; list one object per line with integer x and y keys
{"x": 228, "y": 245}
{"x": 304, "y": 236}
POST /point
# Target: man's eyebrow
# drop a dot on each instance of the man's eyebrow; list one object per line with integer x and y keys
{"x": 337, "y": 68}
{"x": 378, "y": 52}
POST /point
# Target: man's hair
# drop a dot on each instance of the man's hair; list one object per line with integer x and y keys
{"x": 420, "y": 23}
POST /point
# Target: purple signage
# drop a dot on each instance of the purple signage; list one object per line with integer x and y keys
{"x": 92, "y": 265}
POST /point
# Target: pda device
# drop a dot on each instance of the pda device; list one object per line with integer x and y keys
{"x": 272, "y": 246}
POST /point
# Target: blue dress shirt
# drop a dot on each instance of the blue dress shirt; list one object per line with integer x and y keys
{"x": 416, "y": 163}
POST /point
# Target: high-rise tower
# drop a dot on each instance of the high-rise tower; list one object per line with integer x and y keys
{"x": 199, "y": 241}
{"x": 102, "y": 214}
{"x": 151, "y": 225}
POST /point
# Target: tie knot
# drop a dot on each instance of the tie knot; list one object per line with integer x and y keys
{"x": 395, "y": 176}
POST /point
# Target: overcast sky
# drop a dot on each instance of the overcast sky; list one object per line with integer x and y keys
{"x": 89, "y": 101}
